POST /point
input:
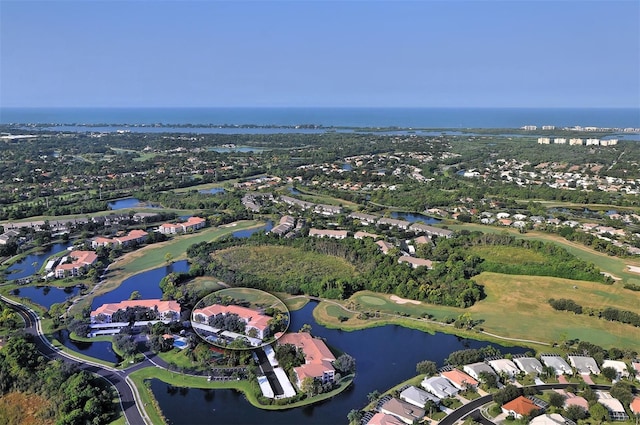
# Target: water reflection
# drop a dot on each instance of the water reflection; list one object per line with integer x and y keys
{"x": 25, "y": 267}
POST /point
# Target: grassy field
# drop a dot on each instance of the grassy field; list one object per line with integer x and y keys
{"x": 152, "y": 256}
{"x": 282, "y": 263}
{"x": 24, "y": 409}
{"x": 508, "y": 254}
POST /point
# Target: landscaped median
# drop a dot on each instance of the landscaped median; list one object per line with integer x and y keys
{"x": 249, "y": 389}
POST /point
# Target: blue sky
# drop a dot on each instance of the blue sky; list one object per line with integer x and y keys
{"x": 320, "y": 53}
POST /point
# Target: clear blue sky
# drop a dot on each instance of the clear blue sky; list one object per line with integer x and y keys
{"x": 320, "y": 53}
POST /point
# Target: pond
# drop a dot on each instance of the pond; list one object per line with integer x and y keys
{"x": 129, "y": 203}
{"x": 414, "y": 217}
{"x": 246, "y": 233}
{"x": 212, "y": 191}
{"x": 385, "y": 356}
{"x": 99, "y": 349}
{"x": 46, "y": 296}
{"x": 25, "y": 267}
{"x": 146, "y": 283}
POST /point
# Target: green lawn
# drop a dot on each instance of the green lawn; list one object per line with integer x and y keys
{"x": 254, "y": 296}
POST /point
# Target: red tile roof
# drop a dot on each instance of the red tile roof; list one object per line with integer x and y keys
{"x": 460, "y": 378}
{"x": 521, "y": 405}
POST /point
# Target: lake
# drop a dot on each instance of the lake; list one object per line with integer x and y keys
{"x": 129, "y": 203}
{"x": 246, "y": 233}
{"x": 413, "y": 217}
{"x": 146, "y": 283}
{"x": 46, "y": 296}
{"x": 385, "y": 356}
{"x": 25, "y": 267}
{"x": 99, "y": 349}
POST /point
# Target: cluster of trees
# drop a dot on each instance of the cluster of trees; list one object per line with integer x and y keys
{"x": 75, "y": 397}
{"x": 471, "y": 355}
{"x": 135, "y": 314}
{"x": 289, "y": 356}
{"x": 609, "y": 313}
{"x": 229, "y": 322}
{"x": 448, "y": 283}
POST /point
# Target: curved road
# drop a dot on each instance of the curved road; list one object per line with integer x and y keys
{"x": 127, "y": 392}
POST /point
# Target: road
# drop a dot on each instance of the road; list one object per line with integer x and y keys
{"x": 127, "y": 392}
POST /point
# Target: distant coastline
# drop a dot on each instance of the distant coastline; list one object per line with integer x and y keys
{"x": 452, "y": 118}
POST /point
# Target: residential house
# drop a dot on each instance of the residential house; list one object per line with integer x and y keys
{"x": 384, "y": 246}
{"x": 550, "y": 419}
{"x": 417, "y": 397}
{"x": 558, "y": 364}
{"x": 584, "y": 364}
{"x": 133, "y": 237}
{"x": 573, "y": 400}
{"x": 392, "y": 222}
{"x": 6, "y": 236}
{"x": 318, "y": 358}
{"x": 327, "y": 209}
{"x": 384, "y": 419}
{"x": 335, "y": 234}
{"x": 416, "y": 262}
{"x": 505, "y": 366}
{"x": 192, "y": 224}
{"x": 253, "y": 319}
{"x": 619, "y": 366}
{"x": 167, "y": 310}
{"x": 431, "y": 230}
{"x": 529, "y": 365}
{"x": 421, "y": 240}
{"x": 459, "y": 379}
{"x": 365, "y": 219}
{"x": 406, "y": 412}
{"x": 635, "y": 364}
{"x": 475, "y": 369}
{"x": 519, "y": 407}
{"x": 613, "y": 405}
{"x": 362, "y": 235}
{"x": 439, "y": 386}
{"x": 635, "y": 406}
{"x": 80, "y": 262}
{"x": 286, "y": 223}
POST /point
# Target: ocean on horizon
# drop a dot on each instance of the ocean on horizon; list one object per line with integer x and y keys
{"x": 332, "y": 117}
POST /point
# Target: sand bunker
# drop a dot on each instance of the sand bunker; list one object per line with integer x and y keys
{"x": 399, "y": 300}
{"x": 610, "y": 275}
{"x": 634, "y": 269}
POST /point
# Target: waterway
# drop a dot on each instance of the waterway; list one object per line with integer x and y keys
{"x": 129, "y": 203}
{"x": 46, "y": 296}
{"x": 246, "y": 233}
{"x": 414, "y": 217}
{"x": 25, "y": 267}
{"x": 212, "y": 191}
{"x": 98, "y": 349}
{"x": 385, "y": 356}
{"x": 146, "y": 283}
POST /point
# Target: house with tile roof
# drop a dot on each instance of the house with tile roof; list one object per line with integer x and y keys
{"x": 459, "y": 379}
{"x": 619, "y": 366}
{"x": 635, "y": 406}
{"x": 80, "y": 262}
{"x": 253, "y": 319}
{"x": 519, "y": 407}
{"x": 529, "y": 365}
{"x": 167, "y": 310}
{"x": 505, "y": 366}
{"x": 573, "y": 400}
{"x": 585, "y": 365}
{"x": 406, "y": 412}
{"x": 558, "y": 364}
{"x": 475, "y": 369}
{"x": 321, "y": 233}
{"x": 415, "y": 262}
{"x": 384, "y": 419}
{"x": 318, "y": 358}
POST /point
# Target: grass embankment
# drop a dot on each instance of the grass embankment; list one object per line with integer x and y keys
{"x": 256, "y": 297}
{"x": 283, "y": 263}
{"x": 152, "y": 256}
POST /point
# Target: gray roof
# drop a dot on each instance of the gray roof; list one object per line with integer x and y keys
{"x": 529, "y": 364}
{"x": 439, "y": 386}
{"x": 475, "y": 369}
{"x": 585, "y": 364}
{"x": 415, "y": 395}
{"x": 558, "y": 363}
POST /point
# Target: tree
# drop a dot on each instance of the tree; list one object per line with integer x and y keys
{"x": 310, "y": 386}
{"x": 306, "y": 328}
{"x": 373, "y": 396}
{"x": 609, "y": 373}
{"x": 622, "y": 391}
{"x": 427, "y": 367}
{"x": 135, "y": 295}
{"x": 575, "y": 412}
{"x": 354, "y": 416}
{"x": 488, "y": 379}
{"x": 599, "y": 413}
{"x": 345, "y": 364}
{"x": 168, "y": 258}
{"x": 556, "y": 399}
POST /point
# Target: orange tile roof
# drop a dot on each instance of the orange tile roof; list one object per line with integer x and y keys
{"x": 521, "y": 405}
{"x": 163, "y": 306}
{"x": 635, "y": 405}
{"x": 254, "y": 318}
{"x": 459, "y": 377}
{"x": 317, "y": 355}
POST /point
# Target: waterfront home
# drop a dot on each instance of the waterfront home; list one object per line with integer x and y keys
{"x": 430, "y": 230}
{"x": 558, "y": 364}
{"x": 167, "y": 310}
{"x": 416, "y": 262}
{"x": 519, "y": 407}
{"x": 408, "y": 413}
{"x": 619, "y": 366}
{"x": 392, "y": 222}
{"x": 133, "y": 237}
{"x": 460, "y": 380}
{"x": 318, "y": 358}
{"x": 253, "y": 319}
{"x": 365, "y": 219}
{"x": 529, "y": 364}
{"x": 417, "y": 397}
{"x": 384, "y": 419}
{"x": 475, "y": 369}
{"x": 286, "y": 223}
{"x": 80, "y": 262}
{"x": 505, "y": 366}
{"x": 585, "y": 365}
{"x": 192, "y": 224}
{"x": 439, "y": 386}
